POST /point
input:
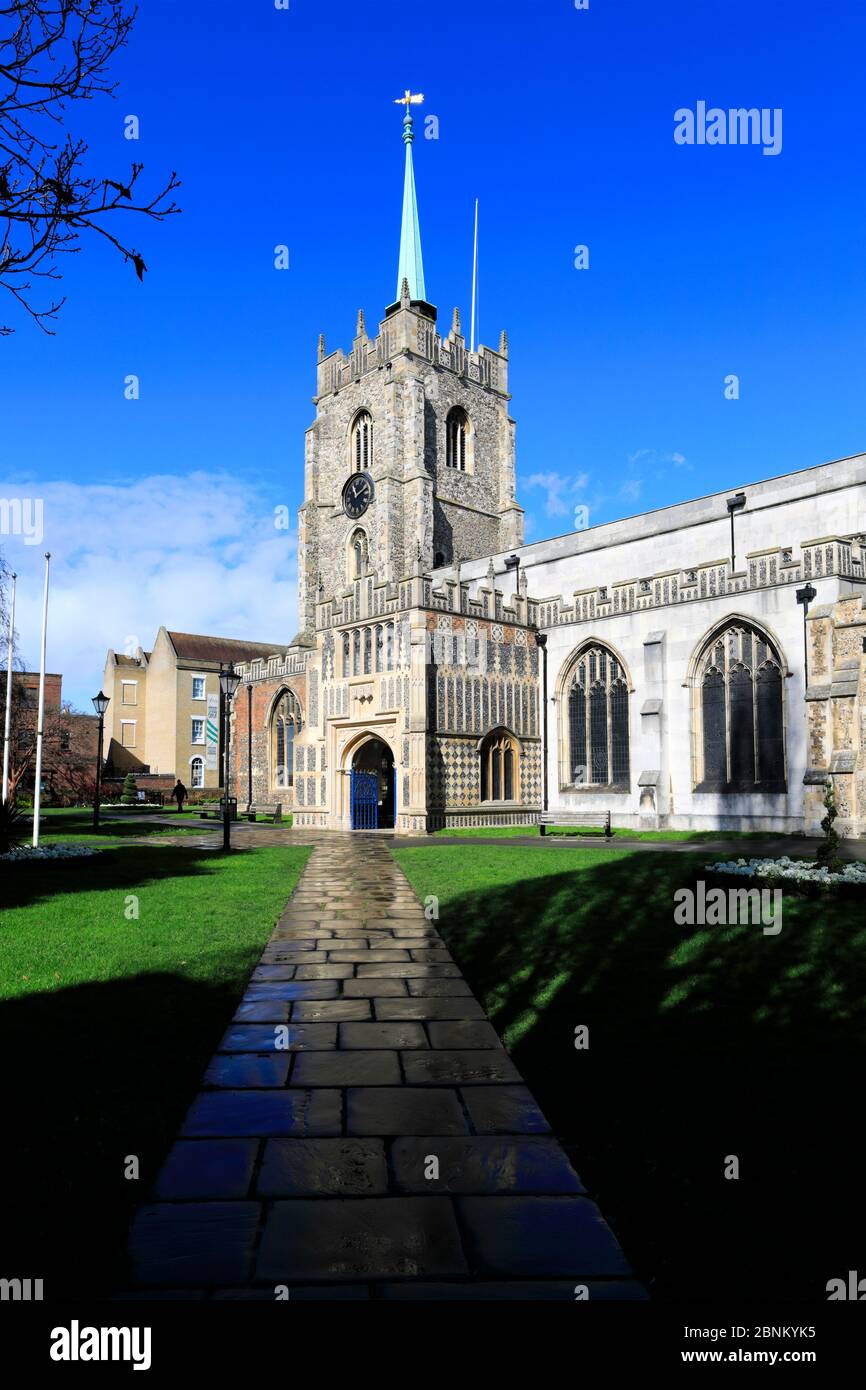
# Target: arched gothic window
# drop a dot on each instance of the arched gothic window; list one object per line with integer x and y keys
{"x": 500, "y": 767}
{"x": 598, "y": 745}
{"x": 357, "y": 556}
{"x": 285, "y": 721}
{"x": 196, "y": 772}
{"x": 740, "y": 742}
{"x": 458, "y": 439}
{"x": 362, "y": 441}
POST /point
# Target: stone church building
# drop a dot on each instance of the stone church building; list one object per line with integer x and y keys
{"x": 664, "y": 668}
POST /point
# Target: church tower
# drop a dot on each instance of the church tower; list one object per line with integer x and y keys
{"x": 409, "y": 463}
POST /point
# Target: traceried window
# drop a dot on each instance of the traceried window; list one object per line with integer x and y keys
{"x": 458, "y": 439}
{"x": 499, "y": 767}
{"x": 597, "y": 696}
{"x": 362, "y": 441}
{"x": 739, "y": 711}
{"x": 285, "y": 722}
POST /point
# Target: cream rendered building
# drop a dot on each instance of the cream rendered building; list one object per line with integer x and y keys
{"x": 165, "y": 716}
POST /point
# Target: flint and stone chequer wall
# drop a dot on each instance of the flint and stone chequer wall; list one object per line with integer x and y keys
{"x": 836, "y": 714}
{"x": 481, "y": 676}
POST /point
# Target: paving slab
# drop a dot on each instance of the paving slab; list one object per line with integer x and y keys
{"x": 362, "y": 1132}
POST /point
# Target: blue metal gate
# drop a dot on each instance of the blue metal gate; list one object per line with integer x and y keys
{"x": 365, "y": 801}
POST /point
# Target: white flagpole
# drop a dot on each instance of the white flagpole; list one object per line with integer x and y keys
{"x": 37, "y": 788}
{"x": 8, "y": 718}
{"x": 474, "y": 281}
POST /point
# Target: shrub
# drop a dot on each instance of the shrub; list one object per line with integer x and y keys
{"x": 128, "y": 796}
{"x": 828, "y": 850}
{"x": 11, "y": 826}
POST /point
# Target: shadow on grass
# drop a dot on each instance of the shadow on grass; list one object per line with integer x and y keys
{"x": 120, "y": 868}
{"x": 94, "y": 1074}
{"x": 703, "y": 1043}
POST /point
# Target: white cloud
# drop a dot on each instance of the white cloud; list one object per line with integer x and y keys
{"x": 559, "y": 488}
{"x": 197, "y": 552}
{"x": 650, "y": 457}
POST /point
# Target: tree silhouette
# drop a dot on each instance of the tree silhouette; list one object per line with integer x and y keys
{"x": 54, "y": 53}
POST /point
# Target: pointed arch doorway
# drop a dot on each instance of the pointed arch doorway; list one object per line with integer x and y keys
{"x": 373, "y": 786}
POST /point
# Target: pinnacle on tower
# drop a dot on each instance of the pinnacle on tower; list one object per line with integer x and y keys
{"x": 322, "y": 353}
{"x": 405, "y": 295}
{"x": 503, "y": 343}
{"x": 455, "y": 323}
{"x": 361, "y": 327}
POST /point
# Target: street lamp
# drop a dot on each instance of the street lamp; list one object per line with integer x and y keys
{"x": 735, "y": 504}
{"x": 100, "y": 704}
{"x": 805, "y": 596}
{"x": 229, "y": 682}
{"x": 541, "y": 643}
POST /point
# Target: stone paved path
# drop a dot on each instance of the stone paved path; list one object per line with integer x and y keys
{"x": 308, "y": 1166}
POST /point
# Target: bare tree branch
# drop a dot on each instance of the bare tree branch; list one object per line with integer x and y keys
{"x": 53, "y": 53}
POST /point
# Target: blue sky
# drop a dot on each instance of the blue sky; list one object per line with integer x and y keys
{"x": 705, "y": 261}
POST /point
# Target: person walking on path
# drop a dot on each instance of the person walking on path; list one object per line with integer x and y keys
{"x": 179, "y": 794}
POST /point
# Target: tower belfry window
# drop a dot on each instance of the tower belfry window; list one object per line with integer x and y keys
{"x": 457, "y": 436}
{"x": 362, "y": 441}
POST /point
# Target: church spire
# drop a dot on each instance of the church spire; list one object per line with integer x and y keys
{"x": 411, "y": 266}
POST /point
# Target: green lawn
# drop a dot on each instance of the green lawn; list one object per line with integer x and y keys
{"x": 62, "y": 824}
{"x": 496, "y": 832}
{"x": 704, "y": 1042}
{"x": 107, "y": 1022}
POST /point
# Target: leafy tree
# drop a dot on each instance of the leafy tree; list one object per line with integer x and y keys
{"x": 54, "y": 53}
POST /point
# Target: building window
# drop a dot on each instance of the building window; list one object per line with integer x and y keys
{"x": 380, "y": 648}
{"x": 285, "y": 721}
{"x": 740, "y": 743}
{"x": 389, "y": 646}
{"x": 597, "y": 699}
{"x": 356, "y": 652}
{"x": 500, "y": 758}
{"x": 362, "y": 441}
{"x": 368, "y": 651}
{"x": 127, "y": 733}
{"x": 198, "y": 687}
{"x": 196, "y": 773}
{"x": 129, "y": 692}
{"x": 198, "y": 731}
{"x": 347, "y": 654}
{"x": 357, "y": 555}
{"x": 458, "y": 437}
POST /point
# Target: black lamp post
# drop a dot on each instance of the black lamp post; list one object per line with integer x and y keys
{"x": 100, "y": 704}
{"x": 735, "y": 504}
{"x": 541, "y": 643}
{"x": 805, "y": 596}
{"x": 229, "y": 682}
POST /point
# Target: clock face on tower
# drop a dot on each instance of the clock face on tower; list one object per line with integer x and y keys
{"x": 357, "y": 495}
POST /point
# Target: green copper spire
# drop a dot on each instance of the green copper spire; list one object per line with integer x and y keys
{"x": 411, "y": 265}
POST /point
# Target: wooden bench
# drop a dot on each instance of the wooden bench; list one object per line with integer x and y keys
{"x": 568, "y": 818}
{"x": 272, "y": 813}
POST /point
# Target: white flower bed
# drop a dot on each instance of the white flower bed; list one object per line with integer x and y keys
{"x": 796, "y": 870}
{"x": 70, "y": 851}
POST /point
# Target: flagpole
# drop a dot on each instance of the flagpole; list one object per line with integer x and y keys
{"x": 474, "y": 281}
{"x": 37, "y": 788}
{"x": 8, "y": 718}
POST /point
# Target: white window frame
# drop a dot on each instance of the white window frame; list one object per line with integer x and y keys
{"x": 196, "y": 786}
{"x": 123, "y": 702}
{"x": 203, "y": 695}
{"x": 198, "y": 742}
{"x": 128, "y": 723}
